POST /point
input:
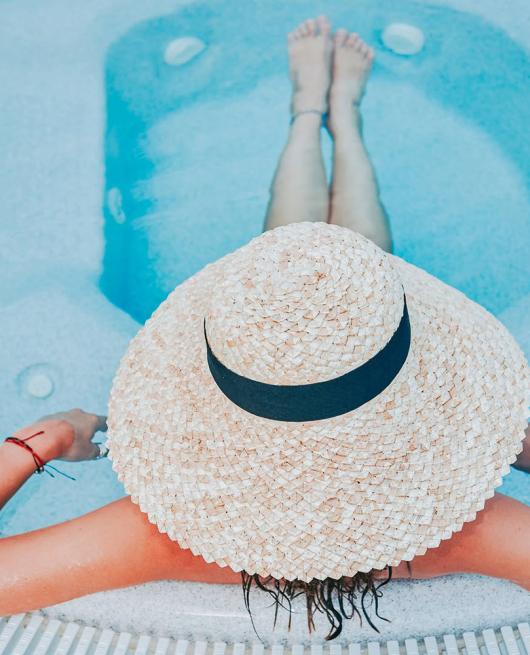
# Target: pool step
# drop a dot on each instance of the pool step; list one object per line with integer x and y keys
{"x": 33, "y": 634}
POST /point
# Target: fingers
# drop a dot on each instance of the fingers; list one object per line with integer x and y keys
{"x": 99, "y": 422}
{"x": 99, "y": 450}
{"x": 102, "y": 423}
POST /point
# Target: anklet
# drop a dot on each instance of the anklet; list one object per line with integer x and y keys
{"x": 324, "y": 114}
{"x": 308, "y": 111}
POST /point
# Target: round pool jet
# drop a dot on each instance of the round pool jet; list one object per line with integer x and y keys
{"x": 403, "y": 38}
{"x": 181, "y": 50}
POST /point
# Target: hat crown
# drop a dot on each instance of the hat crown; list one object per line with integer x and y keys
{"x": 303, "y": 303}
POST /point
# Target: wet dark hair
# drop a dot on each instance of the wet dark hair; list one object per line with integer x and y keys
{"x": 319, "y": 597}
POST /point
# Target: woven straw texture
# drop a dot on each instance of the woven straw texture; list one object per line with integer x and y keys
{"x": 300, "y": 304}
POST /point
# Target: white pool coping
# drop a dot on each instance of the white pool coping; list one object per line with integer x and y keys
{"x": 217, "y": 612}
{"x": 34, "y": 634}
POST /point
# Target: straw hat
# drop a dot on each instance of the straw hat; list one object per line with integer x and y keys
{"x": 312, "y": 406}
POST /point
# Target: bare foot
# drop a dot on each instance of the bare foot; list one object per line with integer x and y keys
{"x": 352, "y": 61}
{"x": 310, "y": 49}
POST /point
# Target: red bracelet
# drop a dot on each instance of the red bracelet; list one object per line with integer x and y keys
{"x": 39, "y": 462}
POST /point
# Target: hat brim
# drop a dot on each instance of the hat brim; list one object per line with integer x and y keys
{"x": 363, "y": 490}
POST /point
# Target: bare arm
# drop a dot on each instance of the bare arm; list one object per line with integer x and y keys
{"x": 494, "y": 544}
{"x": 64, "y": 435}
{"x": 17, "y": 465}
{"x": 111, "y": 547}
{"x": 116, "y": 546}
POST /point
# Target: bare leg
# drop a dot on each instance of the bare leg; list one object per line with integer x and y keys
{"x": 299, "y": 190}
{"x": 355, "y": 201}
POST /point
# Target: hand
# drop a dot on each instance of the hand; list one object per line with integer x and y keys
{"x": 84, "y": 425}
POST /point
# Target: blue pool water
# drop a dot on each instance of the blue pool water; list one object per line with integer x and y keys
{"x": 187, "y": 158}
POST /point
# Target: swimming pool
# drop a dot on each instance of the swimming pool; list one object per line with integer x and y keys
{"x": 126, "y": 175}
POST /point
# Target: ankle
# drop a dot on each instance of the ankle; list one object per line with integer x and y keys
{"x": 310, "y": 116}
{"x": 346, "y": 121}
{"x": 303, "y": 100}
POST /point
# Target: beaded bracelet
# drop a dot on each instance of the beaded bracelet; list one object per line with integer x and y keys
{"x": 40, "y": 465}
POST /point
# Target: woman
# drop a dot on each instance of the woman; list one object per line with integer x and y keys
{"x": 117, "y": 546}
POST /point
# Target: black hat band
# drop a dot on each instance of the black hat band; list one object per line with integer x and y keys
{"x": 319, "y": 400}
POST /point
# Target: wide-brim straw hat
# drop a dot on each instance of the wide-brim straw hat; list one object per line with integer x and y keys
{"x": 404, "y": 467}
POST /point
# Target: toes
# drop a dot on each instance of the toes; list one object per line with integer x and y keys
{"x": 340, "y": 37}
{"x": 298, "y": 32}
{"x": 323, "y": 25}
{"x": 368, "y": 52}
{"x": 354, "y": 41}
{"x": 311, "y": 26}
{"x": 365, "y": 48}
